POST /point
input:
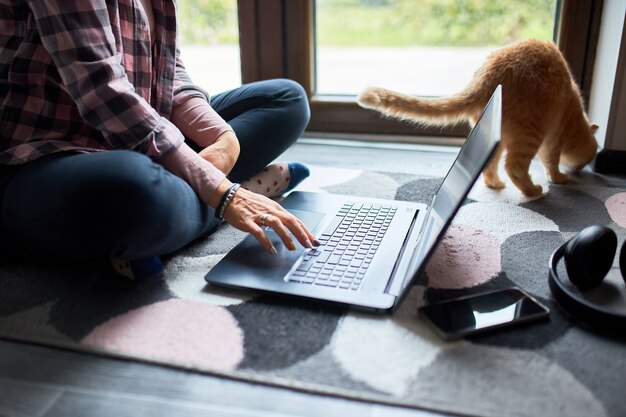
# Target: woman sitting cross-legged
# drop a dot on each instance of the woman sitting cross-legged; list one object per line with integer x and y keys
{"x": 107, "y": 149}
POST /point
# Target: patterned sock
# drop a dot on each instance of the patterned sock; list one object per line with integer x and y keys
{"x": 139, "y": 269}
{"x": 277, "y": 179}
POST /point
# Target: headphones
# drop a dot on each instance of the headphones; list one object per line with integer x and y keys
{"x": 588, "y": 258}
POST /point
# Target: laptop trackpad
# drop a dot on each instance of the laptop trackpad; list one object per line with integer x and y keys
{"x": 310, "y": 218}
{"x": 249, "y": 258}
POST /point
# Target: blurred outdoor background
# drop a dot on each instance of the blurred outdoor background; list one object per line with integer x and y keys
{"x": 423, "y": 47}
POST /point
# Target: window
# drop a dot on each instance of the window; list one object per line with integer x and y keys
{"x": 423, "y": 47}
{"x": 209, "y": 43}
{"x": 294, "y": 39}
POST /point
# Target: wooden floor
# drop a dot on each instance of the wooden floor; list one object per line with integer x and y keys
{"x": 41, "y": 381}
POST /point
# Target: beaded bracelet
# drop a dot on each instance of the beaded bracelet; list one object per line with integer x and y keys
{"x": 228, "y": 195}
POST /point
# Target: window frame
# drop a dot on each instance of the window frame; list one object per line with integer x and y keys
{"x": 277, "y": 40}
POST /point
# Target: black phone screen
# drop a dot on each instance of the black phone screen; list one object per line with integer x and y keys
{"x": 480, "y": 312}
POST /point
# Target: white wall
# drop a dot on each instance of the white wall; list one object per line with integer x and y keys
{"x": 607, "y": 102}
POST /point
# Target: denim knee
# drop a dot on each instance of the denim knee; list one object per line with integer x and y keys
{"x": 298, "y": 107}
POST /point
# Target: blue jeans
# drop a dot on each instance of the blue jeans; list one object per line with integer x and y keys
{"x": 121, "y": 204}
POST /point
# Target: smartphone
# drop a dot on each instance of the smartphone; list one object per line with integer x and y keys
{"x": 477, "y": 313}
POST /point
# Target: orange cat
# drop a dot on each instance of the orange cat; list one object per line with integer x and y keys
{"x": 542, "y": 112}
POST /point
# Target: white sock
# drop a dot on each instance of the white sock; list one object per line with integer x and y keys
{"x": 277, "y": 179}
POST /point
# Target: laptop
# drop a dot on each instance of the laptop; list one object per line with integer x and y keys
{"x": 372, "y": 250}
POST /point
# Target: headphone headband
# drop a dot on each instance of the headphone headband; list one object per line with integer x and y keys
{"x": 593, "y": 315}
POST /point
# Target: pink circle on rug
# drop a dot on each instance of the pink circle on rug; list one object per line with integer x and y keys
{"x": 616, "y": 205}
{"x": 465, "y": 258}
{"x": 174, "y": 331}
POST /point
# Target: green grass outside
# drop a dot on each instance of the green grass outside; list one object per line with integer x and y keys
{"x": 433, "y": 23}
{"x": 351, "y": 23}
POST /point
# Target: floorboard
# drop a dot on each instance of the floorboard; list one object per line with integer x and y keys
{"x": 19, "y": 399}
{"x": 410, "y": 159}
{"x": 43, "y": 381}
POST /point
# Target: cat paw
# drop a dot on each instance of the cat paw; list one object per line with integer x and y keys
{"x": 369, "y": 98}
{"x": 496, "y": 184}
{"x": 534, "y": 191}
{"x": 558, "y": 178}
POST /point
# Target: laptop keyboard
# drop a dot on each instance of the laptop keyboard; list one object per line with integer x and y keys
{"x": 347, "y": 248}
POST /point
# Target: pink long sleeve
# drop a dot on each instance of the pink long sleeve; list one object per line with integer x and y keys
{"x": 199, "y": 121}
{"x": 203, "y": 177}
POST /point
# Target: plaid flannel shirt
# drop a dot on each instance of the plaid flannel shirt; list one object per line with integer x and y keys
{"x": 84, "y": 76}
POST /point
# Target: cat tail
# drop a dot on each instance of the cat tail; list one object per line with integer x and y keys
{"x": 436, "y": 111}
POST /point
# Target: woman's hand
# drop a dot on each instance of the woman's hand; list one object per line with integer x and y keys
{"x": 250, "y": 212}
{"x": 223, "y": 153}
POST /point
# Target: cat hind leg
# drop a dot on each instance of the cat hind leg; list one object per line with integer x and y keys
{"x": 517, "y": 165}
{"x": 490, "y": 173}
{"x": 550, "y": 156}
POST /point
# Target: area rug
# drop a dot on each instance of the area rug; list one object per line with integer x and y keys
{"x": 498, "y": 239}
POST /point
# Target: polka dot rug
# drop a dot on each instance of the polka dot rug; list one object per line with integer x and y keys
{"x": 498, "y": 239}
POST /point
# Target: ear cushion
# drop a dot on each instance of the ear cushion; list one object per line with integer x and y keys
{"x": 589, "y": 256}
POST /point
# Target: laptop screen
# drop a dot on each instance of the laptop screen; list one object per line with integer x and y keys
{"x": 463, "y": 173}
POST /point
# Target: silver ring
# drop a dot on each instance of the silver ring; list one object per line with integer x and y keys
{"x": 263, "y": 219}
